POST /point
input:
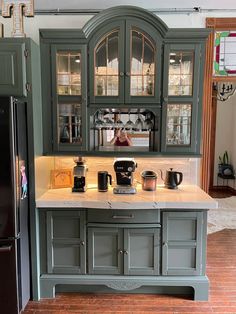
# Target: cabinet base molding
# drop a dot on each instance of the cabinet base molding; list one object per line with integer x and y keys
{"x": 200, "y": 284}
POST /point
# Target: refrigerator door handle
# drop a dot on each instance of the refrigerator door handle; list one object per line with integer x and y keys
{"x": 5, "y": 248}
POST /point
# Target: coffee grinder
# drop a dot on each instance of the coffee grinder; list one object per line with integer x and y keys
{"x": 124, "y": 168}
{"x": 79, "y": 174}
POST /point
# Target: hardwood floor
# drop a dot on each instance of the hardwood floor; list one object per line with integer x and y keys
{"x": 222, "y": 192}
{"x": 221, "y": 270}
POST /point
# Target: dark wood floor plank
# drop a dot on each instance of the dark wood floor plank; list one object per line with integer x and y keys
{"x": 221, "y": 270}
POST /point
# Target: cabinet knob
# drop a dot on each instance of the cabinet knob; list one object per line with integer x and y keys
{"x": 126, "y": 252}
{"x": 82, "y": 243}
{"x": 121, "y": 73}
{"x": 165, "y": 244}
{"x": 120, "y": 251}
{"x": 127, "y": 73}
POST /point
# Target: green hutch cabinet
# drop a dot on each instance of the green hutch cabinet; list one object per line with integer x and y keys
{"x": 124, "y": 58}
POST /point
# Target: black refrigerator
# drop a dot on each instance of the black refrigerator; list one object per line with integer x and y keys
{"x": 14, "y": 205}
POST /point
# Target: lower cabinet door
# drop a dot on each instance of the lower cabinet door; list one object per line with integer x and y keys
{"x": 66, "y": 242}
{"x": 141, "y": 251}
{"x": 105, "y": 251}
{"x": 183, "y": 240}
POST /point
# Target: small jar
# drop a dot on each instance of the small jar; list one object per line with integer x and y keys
{"x": 149, "y": 180}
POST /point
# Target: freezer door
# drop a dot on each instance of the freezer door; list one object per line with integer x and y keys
{"x": 13, "y": 168}
{"x": 7, "y": 170}
{"x": 9, "y": 296}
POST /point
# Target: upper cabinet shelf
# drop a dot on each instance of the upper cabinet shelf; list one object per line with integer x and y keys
{"x": 124, "y": 62}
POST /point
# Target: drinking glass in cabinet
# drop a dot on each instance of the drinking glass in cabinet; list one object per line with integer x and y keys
{"x": 69, "y": 73}
{"x": 178, "y": 124}
{"x": 142, "y": 65}
{"x": 140, "y": 125}
{"x": 180, "y": 74}
{"x": 107, "y": 66}
{"x": 70, "y": 123}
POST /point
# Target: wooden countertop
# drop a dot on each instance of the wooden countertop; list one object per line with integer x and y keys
{"x": 185, "y": 197}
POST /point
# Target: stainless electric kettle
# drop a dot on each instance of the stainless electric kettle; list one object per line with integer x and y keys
{"x": 172, "y": 179}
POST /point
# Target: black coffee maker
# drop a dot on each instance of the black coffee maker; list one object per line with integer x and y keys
{"x": 124, "y": 169}
{"x": 79, "y": 174}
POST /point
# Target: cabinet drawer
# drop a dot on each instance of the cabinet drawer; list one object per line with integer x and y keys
{"x": 124, "y": 216}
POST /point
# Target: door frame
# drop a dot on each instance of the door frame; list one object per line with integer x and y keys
{"x": 209, "y": 114}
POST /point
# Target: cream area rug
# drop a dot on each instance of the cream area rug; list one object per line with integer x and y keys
{"x": 224, "y": 217}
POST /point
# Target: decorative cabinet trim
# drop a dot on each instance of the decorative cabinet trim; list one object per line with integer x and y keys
{"x": 123, "y": 285}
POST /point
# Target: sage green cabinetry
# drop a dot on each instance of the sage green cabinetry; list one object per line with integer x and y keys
{"x": 69, "y": 97}
{"x": 126, "y": 249}
{"x": 122, "y": 250}
{"x": 65, "y": 107}
{"x": 66, "y": 242}
{"x": 13, "y": 68}
{"x": 125, "y": 63}
{"x": 182, "y": 96}
{"x": 129, "y": 59}
{"x": 183, "y": 247}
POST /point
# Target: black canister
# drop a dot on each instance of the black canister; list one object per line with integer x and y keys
{"x": 103, "y": 181}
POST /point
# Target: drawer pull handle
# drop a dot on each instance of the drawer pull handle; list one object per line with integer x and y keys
{"x": 131, "y": 216}
{"x": 5, "y": 248}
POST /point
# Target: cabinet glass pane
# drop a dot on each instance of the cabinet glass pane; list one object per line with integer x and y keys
{"x": 107, "y": 66}
{"x": 142, "y": 65}
{"x": 181, "y": 73}
{"x": 69, "y": 124}
{"x": 68, "y": 73}
{"x": 178, "y": 130}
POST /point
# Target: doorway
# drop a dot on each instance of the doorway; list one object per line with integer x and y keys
{"x": 209, "y": 125}
{"x": 223, "y": 145}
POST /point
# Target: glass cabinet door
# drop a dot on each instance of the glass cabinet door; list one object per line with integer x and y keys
{"x": 124, "y": 64}
{"x": 142, "y": 74}
{"x": 106, "y": 66}
{"x": 178, "y": 124}
{"x": 69, "y": 100}
{"x": 142, "y": 64}
{"x": 180, "y": 81}
{"x": 106, "y": 79}
{"x": 68, "y": 73}
{"x": 180, "y": 114}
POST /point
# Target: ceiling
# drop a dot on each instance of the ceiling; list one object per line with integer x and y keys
{"x": 147, "y": 4}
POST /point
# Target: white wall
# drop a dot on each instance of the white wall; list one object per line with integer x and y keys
{"x": 225, "y": 134}
{"x": 32, "y": 25}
